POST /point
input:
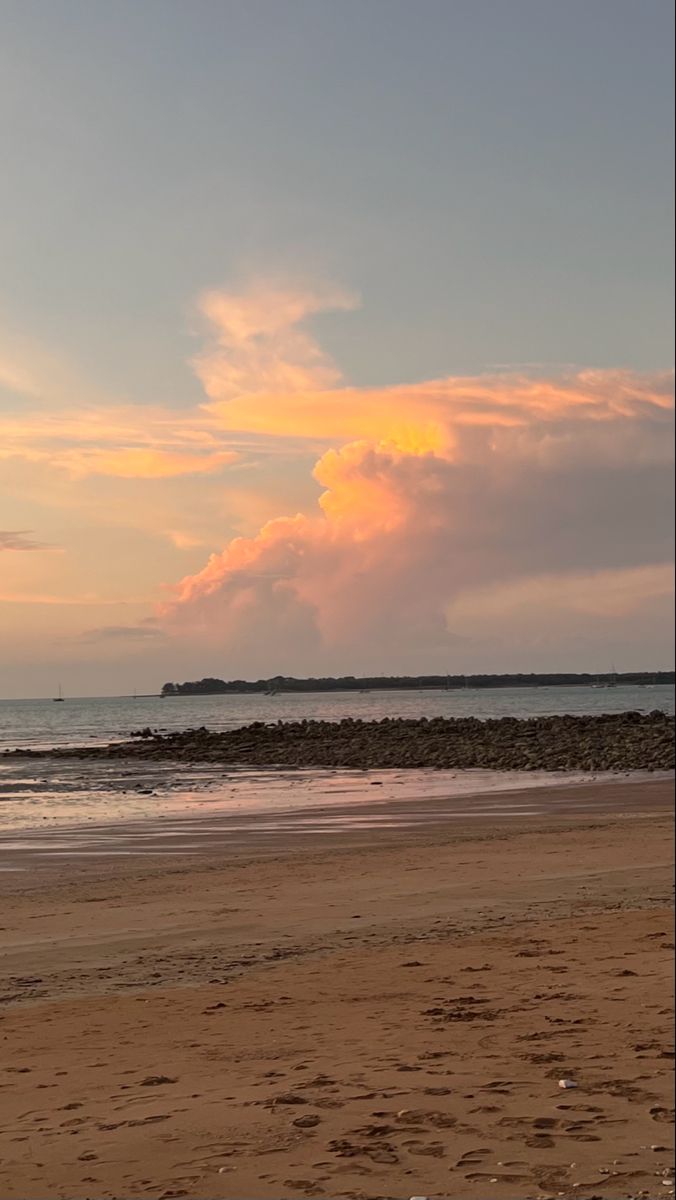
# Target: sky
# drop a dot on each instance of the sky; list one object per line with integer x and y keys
{"x": 334, "y": 339}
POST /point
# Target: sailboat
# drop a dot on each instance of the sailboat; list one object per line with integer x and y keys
{"x": 611, "y": 683}
{"x": 59, "y": 699}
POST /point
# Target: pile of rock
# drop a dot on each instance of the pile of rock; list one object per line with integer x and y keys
{"x": 627, "y": 741}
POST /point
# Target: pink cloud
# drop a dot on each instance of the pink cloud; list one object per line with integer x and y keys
{"x": 254, "y": 343}
{"x": 431, "y": 491}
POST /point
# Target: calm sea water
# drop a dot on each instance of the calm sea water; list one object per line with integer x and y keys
{"x": 42, "y": 723}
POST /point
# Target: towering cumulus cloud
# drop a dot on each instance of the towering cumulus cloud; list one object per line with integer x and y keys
{"x": 437, "y": 498}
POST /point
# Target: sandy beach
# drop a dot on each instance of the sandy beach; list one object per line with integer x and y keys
{"x": 381, "y": 1009}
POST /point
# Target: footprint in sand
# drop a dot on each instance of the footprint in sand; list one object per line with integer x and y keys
{"x": 420, "y": 1116}
{"x": 377, "y": 1131}
{"x": 149, "y": 1120}
{"x": 379, "y": 1152}
{"x": 658, "y": 1113}
{"x": 307, "y": 1122}
{"x": 432, "y": 1149}
{"x": 383, "y": 1154}
{"x": 472, "y": 1158}
{"x": 285, "y": 1098}
{"x": 590, "y": 1108}
{"x": 576, "y": 1136}
{"x": 522, "y": 1122}
{"x": 543, "y": 1058}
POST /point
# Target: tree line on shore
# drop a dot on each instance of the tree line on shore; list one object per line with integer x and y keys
{"x": 352, "y": 683}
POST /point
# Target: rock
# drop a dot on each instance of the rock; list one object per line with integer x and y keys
{"x": 607, "y": 742}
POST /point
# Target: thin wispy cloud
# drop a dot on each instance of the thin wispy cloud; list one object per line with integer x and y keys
{"x": 122, "y": 442}
{"x": 21, "y": 539}
{"x": 144, "y": 632}
{"x": 83, "y": 600}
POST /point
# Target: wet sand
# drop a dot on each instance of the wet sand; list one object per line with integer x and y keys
{"x": 51, "y": 792}
{"x": 364, "y": 1011}
{"x": 202, "y": 813}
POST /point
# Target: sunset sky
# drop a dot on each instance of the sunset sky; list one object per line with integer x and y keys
{"x": 335, "y": 337}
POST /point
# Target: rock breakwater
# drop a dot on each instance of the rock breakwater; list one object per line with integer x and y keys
{"x": 629, "y": 741}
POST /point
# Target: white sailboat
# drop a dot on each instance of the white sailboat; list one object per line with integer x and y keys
{"x": 611, "y": 683}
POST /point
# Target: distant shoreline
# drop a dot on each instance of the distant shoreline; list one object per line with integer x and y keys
{"x": 279, "y": 684}
{"x": 647, "y": 680}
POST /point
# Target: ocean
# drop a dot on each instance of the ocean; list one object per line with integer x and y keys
{"x": 55, "y": 798}
{"x": 90, "y": 721}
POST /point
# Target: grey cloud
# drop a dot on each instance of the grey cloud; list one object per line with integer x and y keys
{"x": 146, "y": 631}
{"x": 20, "y": 539}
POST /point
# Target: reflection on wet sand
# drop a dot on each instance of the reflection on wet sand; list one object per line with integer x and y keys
{"x": 307, "y": 810}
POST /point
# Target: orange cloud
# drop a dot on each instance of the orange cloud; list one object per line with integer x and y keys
{"x": 428, "y": 417}
{"x": 264, "y": 375}
{"x": 433, "y": 494}
{"x": 122, "y": 442}
{"x": 138, "y": 463}
{"x": 432, "y": 490}
{"x": 87, "y": 600}
{"x": 254, "y": 344}
{"x": 183, "y": 540}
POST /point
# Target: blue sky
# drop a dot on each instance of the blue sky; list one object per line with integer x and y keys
{"x": 491, "y": 177}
